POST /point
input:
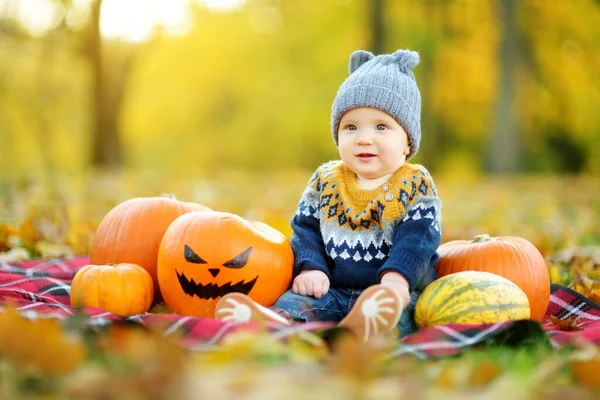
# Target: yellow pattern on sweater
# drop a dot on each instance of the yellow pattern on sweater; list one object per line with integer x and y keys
{"x": 362, "y": 208}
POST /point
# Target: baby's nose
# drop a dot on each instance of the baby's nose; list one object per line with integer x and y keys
{"x": 364, "y": 139}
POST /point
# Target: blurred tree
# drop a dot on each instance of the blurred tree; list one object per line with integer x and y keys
{"x": 435, "y": 137}
{"x": 457, "y": 42}
{"x": 505, "y": 148}
{"x": 47, "y": 93}
{"x": 38, "y": 76}
{"x": 560, "y": 86}
{"x": 106, "y": 144}
{"x": 8, "y": 30}
{"x": 377, "y": 26}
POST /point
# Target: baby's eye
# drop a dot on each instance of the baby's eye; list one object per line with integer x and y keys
{"x": 351, "y": 127}
{"x": 381, "y": 127}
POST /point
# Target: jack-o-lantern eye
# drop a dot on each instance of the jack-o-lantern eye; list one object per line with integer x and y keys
{"x": 240, "y": 260}
{"x": 192, "y": 257}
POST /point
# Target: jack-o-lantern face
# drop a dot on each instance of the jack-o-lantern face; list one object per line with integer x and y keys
{"x": 204, "y": 256}
{"x": 211, "y": 290}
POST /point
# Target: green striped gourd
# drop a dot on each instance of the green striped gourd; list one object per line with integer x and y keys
{"x": 471, "y": 297}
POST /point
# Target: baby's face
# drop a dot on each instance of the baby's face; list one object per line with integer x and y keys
{"x": 372, "y": 143}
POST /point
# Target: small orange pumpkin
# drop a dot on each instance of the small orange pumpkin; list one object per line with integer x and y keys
{"x": 204, "y": 256}
{"x": 512, "y": 257}
{"x": 131, "y": 232}
{"x": 123, "y": 289}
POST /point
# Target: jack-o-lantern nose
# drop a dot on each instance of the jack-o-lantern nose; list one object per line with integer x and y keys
{"x": 214, "y": 271}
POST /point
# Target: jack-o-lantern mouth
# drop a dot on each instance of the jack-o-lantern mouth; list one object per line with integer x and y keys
{"x": 212, "y": 290}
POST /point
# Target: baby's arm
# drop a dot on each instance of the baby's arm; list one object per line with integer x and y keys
{"x": 310, "y": 261}
{"x": 416, "y": 238}
{"x": 398, "y": 283}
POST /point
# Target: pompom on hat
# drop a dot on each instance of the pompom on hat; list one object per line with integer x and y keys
{"x": 385, "y": 82}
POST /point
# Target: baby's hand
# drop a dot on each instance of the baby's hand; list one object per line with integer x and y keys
{"x": 398, "y": 283}
{"x": 311, "y": 283}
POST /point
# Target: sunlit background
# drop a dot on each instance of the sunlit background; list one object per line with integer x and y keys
{"x": 130, "y": 20}
{"x": 227, "y": 102}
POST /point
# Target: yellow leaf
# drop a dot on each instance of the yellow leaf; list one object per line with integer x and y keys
{"x": 586, "y": 286}
{"x": 28, "y": 234}
{"x": 555, "y": 274}
{"x": 486, "y": 372}
{"x": 41, "y": 344}
{"x": 585, "y": 365}
{"x": 6, "y": 231}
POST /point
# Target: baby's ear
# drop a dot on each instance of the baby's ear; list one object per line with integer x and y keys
{"x": 358, "y": 58}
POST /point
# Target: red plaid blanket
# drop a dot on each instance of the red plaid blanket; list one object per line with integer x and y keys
{"x": 41, "y": 289}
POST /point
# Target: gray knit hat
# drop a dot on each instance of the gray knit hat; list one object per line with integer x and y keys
{"x": 387, "y": 83}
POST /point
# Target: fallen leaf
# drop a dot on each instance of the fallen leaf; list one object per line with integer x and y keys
{"x": 358, "y": 360}
{"x": 555, "y": 274}
{"x": 160, "y": 308}
{"x": 585, "y": 365}
{"x": 14, "y": 255}
{"x": 485, "y": 373}
{"x": 49, "y": 250}
{"x": 6, "y": 232}
{"x": 585, "y": 285}
{"x": 569, "y": 324}
{"x": 40, "y": 343}
{"x": 28, "y": 233}
{"x": 572, "y": 255}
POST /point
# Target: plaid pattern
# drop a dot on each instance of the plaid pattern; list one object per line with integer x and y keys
{"x": 566, "y": 303}
{"x": 41, "y": 289}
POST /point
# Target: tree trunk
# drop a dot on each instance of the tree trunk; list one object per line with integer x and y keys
{"x": 505, "y": 145}
{"x": 106, "y": 144}
{"x": 377, "y": 27}
{"x": 433, "y": 135}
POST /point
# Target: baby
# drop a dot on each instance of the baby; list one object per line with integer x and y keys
{"x": 367, "y": 227}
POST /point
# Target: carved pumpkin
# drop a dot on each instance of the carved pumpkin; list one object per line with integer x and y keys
{"x": 512, "y": 257}
{"x": 123, "y": 289}
{"x": 131, "y": 232}
{"x": 204, "y": 256}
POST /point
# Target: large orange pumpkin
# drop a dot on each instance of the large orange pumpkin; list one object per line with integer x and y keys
{"x": 131, "y": 232}
{"x": 512, "y": 257}
{"x": 123, "y": 289}
{"x": 204, "y": 256}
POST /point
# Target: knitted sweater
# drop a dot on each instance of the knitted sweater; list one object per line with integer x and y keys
{"x": 355, "y": 235}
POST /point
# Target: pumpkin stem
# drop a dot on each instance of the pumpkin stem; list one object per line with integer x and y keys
{"x": 484, "y": 237}
{"x": 168, "y": 195}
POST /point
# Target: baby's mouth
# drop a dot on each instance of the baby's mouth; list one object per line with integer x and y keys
{"x": 365, "y": 156}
